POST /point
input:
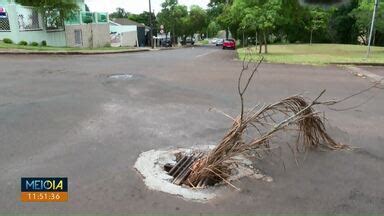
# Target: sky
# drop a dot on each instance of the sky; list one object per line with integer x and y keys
{"x": 135, "y": 6}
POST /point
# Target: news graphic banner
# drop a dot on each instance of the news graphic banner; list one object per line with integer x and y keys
{"x": 44, "y": 189}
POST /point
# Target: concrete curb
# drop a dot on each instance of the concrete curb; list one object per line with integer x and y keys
{"x": 358, "y": 64}
{"x": 366, "y": 74}
{"x": 165, "y": 48}
{"x": 169, "y": 48}
{"x": 70, "y": 52}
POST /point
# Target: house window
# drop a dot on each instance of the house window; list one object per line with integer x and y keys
{"x": 4, "y": 24}
{"x": 78, "y": 37}
{"x": 53, "y": 20}
{"x": 73, "y": 19}
{"x": 28, "y": 18}
{"x": 87, "y": 17}
{"x": 102, "y": 17}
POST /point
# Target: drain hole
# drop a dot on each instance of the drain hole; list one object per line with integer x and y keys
{"x": 121, "y": 77}
{"x": 182, "y": 168}
{"x": 155, "y": 165}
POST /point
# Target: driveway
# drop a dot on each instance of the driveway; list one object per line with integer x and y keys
{"x": 65, "y": 116}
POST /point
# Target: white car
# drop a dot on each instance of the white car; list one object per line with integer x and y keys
{"x": 220, "y": 42}
{"x": 213, "y": 40}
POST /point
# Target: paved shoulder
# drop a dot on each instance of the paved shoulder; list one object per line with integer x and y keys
{"x": 363, "y": 72}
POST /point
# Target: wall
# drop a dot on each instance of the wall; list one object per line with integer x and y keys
{"x": 56, "y": 38}
{"x": 101, "y": 37}
{"x": 128, "y": 35}
{"x": 53, "y": 38}
{"x": 129, "y": 39}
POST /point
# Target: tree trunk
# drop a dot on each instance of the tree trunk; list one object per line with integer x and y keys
{"x": 173, "y": 35}
{"x": 265, "y": 43}
{"x": 256, "y": 39}
{"x": 310, "y": 39}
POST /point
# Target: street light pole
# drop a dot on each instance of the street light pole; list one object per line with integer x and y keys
{"x": 372, "y": 27}
{"x": 150, "y": 25}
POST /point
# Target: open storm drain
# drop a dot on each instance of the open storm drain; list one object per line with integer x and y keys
{"x": 168, "y": 171}
{"x": 198, "y": 174}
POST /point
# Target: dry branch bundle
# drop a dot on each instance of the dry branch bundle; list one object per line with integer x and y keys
{"x": 267, "y": 121}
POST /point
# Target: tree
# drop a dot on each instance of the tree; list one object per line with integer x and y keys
{"x": 224, "y": 20}
{"x": 267, "y": 19}
{"x": 119, "y": 13}
{"x": 221, "y": 10}
{"x": 212, "y": 29}
{"x": 248, "y": 24}
{"x": 342, "y": 26}
{"x": 291, "y": 24}
{"x": 336, "y": 21}
{"x": 143, "y": 18}
{"x": 180, "y": 19}
{"x": 318, "y": 20}
{"x": 64, "y": 8}
{"x": 173, "y": 17}
{"x": 198, "y": 19}
{"x": 363, "y": 16}
{"x": 262, "y": 15}
{"x": 323, "y": 2}
{"x": 165, "y": 15}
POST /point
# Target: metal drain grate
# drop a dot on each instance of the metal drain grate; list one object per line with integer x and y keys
{"x": 183, "y": 169}
{"x": 121, "y": 77}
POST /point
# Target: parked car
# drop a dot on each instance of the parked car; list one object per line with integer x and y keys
{"x": 229, "y": 44}
{"x": 166, "y": 42}
{"x": 188, "y": 41}
{"x": 219, "y": 42}
{"x": 214, "y": 40}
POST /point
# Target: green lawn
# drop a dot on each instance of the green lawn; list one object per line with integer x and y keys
{"x": 204, "y": 42}
{"x": 317, "y": 54}
{"x": 10, "y": 47}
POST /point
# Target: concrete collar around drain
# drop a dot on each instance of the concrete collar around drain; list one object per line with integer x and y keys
{"x": 150, "y": 165}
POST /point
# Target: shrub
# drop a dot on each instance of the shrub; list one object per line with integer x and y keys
{"x": 34, "y": 44}
{"x": 7, "y": 41}
{"x": 23, "y": 43}
{"x": 43, "y": 43}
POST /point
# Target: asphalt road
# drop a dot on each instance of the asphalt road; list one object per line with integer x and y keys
{"x": 63, "y": 116}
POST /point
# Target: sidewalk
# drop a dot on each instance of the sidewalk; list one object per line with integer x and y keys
{"x": 360, "y": 72}
{"x": 69, "y": 52}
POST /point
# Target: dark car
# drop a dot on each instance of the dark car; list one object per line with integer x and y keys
{"x": 229, "y": 44}
{"x": 188, "y": 41}
{"x": 166, "y": 42}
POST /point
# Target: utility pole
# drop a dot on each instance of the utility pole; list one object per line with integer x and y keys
{"x": 372, "y": 27}
{"x": 227, "y": 30}
{"x": 150, "y": 26}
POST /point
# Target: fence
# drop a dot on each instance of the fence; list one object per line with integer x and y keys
{"x": 29, "y": 19}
